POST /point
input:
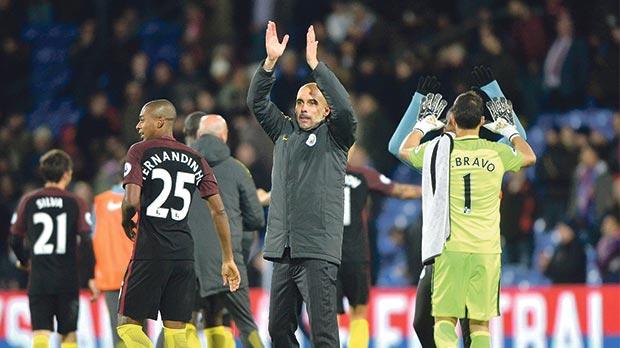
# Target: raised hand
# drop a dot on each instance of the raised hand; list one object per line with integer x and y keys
{"x": 428, "y": 84}
{"x": 503, "y": 122}
{"x": 482, "y": 75}
{"x": 431, "y": 108}
{"x": 311, "y": 48}
{"x": 273, "y": 46}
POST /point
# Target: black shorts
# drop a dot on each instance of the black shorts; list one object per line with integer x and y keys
{"x": 152, "y": 285}
{"x": 65, "y": 307}
{"x": 354, "y": 283}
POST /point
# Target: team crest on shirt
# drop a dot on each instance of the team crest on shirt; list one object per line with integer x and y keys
{"x": 311, "y": 140}
{"x": 127, "y": 168}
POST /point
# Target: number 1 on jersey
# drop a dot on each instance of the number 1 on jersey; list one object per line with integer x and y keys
{"x": 467, "y": 190}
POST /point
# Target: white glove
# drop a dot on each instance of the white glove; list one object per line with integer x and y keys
{"x": 431, "y": 107}
{"x": 503, "y": 119}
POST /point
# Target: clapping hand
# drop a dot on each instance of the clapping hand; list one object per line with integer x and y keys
{"x": 311, "y": 48}
{"x": 273, "y": 46}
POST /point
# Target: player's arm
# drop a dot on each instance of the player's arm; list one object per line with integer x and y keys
{"x": 483, "y": 78}
{"x": 503, "y": 124}
{"x": 522, "y": 147}
{"x": 406, "y": 191}
{"x": 271, "y": 119}
{"x": 230, "y": 273}
{"x": 17, "y": 236}
{"x": 129, "y": 207}
{"x": 17, "y": 245}
{"x": 416, "y": 121}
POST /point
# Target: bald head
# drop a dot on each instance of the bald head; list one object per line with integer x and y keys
{"x": 160, "y": 108}
{"x": 311, "y": 107}
{"x": 214, "y": 125}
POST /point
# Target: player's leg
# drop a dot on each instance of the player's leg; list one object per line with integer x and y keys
{"x": 448, "y": 300}
{"x": 111, "y": 301}
{"x": 316, "y": 281}
{"x": 215, "y": 332}
{"x": 423, "y": 320}
{"x": 483, "y": 296}
{"x": 191, "y": 329}
{"x": 283, "y": 300}
{"x": 238, "y": 304}
{"x": 42, "y": 319}
{"x": 139, "y": 299}
{"x": 445, "y": 332}
{"x": 228, "y": 332}
{"x": 356, "y": 287}
{"x": 67, "y": 308}
{"x": 175, "y": 306}
{"x": 480, "y": 336}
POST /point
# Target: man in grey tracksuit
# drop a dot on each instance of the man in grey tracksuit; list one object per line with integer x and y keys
{"x": 305, "y": 223}
{"x": 245, "y": 214}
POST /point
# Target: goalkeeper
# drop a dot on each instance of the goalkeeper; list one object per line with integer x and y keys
{"x": 467, "y": 264}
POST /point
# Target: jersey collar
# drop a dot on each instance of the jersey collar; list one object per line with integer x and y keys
{"x": 467, "y": 137}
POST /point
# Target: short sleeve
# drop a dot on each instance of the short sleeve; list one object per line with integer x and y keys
{"x": 378, "y": 182}
{"x": 416, "y": 157}
{"x": 512, "y": 160}
{"x": 208, "y": 184}
{"x": 18, "y": 220}
{"x": 132, "y": 171}
{"x": 84, "y": 217}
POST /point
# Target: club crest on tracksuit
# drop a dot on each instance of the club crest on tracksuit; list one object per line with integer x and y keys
{"x": 311, "y": 140}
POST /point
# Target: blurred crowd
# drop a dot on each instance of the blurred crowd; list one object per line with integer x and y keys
{"x": 76, "y": 73}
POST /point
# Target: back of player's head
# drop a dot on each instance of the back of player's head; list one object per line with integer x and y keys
{"x": 467, "y": 110}
{"x": 161, "y": 108}
{"x": 54, "y": 164}
{"x": 192, "y": 122}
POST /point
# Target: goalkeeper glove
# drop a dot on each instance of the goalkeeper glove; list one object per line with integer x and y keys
{"x": 503, "y": 121}
{"x": 431, "y": 107}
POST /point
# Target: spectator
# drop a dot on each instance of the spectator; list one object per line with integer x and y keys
{"x": 100, "y": 122}
{"x": 567, "y": 263}
{"x": 590, "y": 195}
{"x": 553, "y": 173}
{"x": 565, "y": 68}
{"x": 608, "y": 250}
{"x": 517, "y": 218}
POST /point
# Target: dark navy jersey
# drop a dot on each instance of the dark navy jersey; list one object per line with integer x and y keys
{"x": 50, "y": 219}
{"x": 358, "y": 183}
{"x": 168, "y": 172}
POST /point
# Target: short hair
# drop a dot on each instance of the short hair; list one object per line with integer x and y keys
{"x": 54, "y": 164}
{"x": 192, "y": 122}
{"x": 467, "y": 110}
{"x": 162, "y": 108}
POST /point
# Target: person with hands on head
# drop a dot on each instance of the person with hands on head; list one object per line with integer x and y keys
{"x": 468, "y": 262}
{"x": 305, "y": 222}
{"x": 160, "y": 176}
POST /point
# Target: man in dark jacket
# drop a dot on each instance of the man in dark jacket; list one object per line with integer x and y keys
{"x": 305, "y": 223}
{"x": 245, "y": 214}
{"x": 567, "y": 264}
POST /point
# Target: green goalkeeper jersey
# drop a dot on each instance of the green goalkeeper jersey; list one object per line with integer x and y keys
{"x": 477, "y": 167}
